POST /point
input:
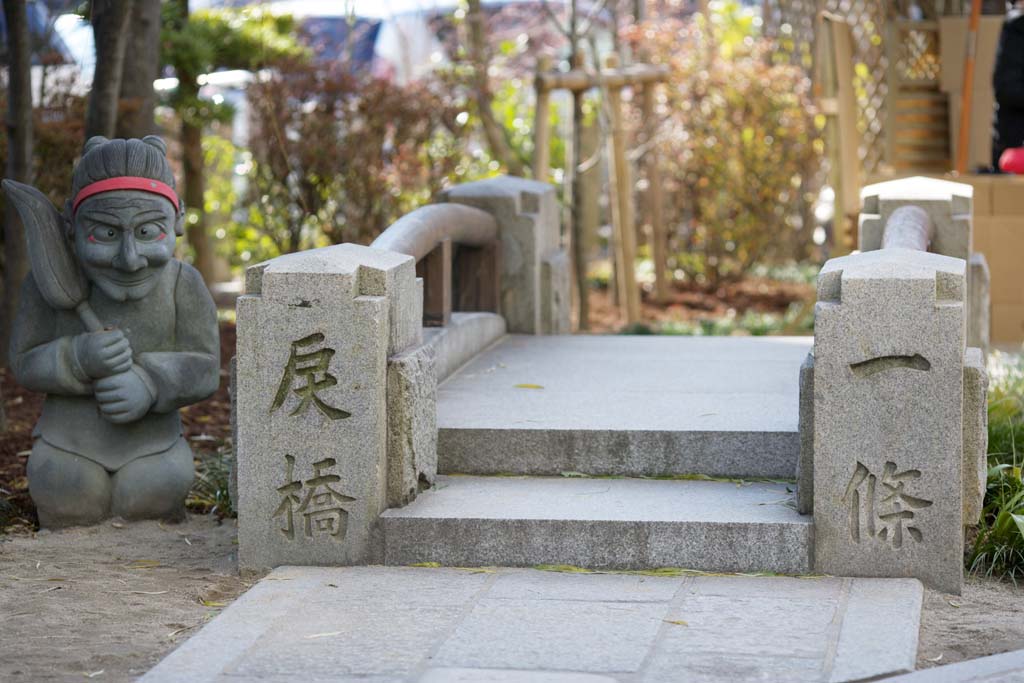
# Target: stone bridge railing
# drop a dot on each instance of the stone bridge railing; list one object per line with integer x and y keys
{"x": 351, "y": 319}
{"x": 892, "y": 408}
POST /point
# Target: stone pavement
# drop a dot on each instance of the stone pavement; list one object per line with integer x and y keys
{"x": 511, "y": 626}
{"x": 1004, "y": 668}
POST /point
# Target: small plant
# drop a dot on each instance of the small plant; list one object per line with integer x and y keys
{"x": 210, "y": 490}
{"x": 998, "y": 548}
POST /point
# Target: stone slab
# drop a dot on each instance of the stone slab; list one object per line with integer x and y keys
{"x": 679, "y": 405}
{"x": 1003, "y": 668}
{"x": 516, "y": 626}
{"x": 601, "y": 523}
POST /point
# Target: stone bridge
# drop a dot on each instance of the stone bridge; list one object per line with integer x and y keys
{"x": 420, "y": 402}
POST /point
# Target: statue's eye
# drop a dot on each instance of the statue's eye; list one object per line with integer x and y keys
{"x": 103, "y": 234}
{"x": 148, "y": 232}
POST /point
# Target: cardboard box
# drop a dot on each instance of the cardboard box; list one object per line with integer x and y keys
{"x": 1007, "y": 196}
{"x": 1007, "y": 323}
{"x": 1004, "y": 248}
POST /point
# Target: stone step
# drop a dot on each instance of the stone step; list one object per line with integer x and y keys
{"x": 601, "y": 523}
{"x": 630, "y": 406}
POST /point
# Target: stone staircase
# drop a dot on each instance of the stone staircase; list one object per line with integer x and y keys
{"x": 554, "y": 450}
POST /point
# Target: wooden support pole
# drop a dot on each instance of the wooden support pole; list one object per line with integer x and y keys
{"x": 655, "y": 208}
{"x": 542, "y": 124}
{"x": 578, "y": 79}
{"x": 625, "y": 226}
{"x": 436, "y": 270}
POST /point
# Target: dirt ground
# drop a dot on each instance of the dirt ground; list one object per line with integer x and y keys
{"x": 689, "y": 302}
{"x": 108, "y": 602}
{"x": 987, "y": 619}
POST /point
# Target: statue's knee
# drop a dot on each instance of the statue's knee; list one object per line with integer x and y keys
{"x": 67, "y": 489}
{"x": 154, "y": 487}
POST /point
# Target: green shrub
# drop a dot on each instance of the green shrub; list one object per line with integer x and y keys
{"x": 739, "y": 143}
{"x": 998, "y": 548}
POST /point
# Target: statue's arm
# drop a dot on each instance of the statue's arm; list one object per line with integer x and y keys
{"x": 40, "y": 360}
{"x": 192, "y": 372}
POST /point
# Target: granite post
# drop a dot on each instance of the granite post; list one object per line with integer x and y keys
{"x": 334, "y": 397}
{"x": 888, "y": 387}
{"x": 949, "y": 206}
{"x": 535, "y": 269}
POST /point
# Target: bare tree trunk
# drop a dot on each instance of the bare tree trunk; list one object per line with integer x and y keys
{"x": 141, "y": 68}
{"x": 110, "y": 29}
{"x": 576, "y": 238}
{"x": 192, "y": 157}
{"x": 19, "y": 156}
{"x": 495, "y": 134}
{"x": 192, "y": 153}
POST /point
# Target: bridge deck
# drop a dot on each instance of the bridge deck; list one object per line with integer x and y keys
{"x": 625, "y": 405}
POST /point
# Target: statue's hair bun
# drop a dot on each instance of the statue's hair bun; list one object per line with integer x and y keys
{"x": 156, "y": 141}
{"x": 94, "y": 142}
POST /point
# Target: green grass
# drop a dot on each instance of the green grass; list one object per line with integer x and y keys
{"x": 209, "y": 494}
{"x": 998, "y": 548}
{"x": 798, "y": 319}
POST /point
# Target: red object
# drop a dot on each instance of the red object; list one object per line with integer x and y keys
{"x": 1012, "y": 160}
{"x": 127, "y": 183}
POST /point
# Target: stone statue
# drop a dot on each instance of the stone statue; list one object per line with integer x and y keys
{"x": 119, "y": 335}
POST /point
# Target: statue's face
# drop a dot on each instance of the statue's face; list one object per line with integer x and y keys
{"x": 123, "y": 239}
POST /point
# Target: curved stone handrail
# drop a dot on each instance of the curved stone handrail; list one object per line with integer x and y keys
{"x": 419, "y": 232}
{"x": 908, "y": 227}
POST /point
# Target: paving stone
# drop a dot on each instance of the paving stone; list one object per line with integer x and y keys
{"x": 681, "y": 405}
{"x": 466, "y": 675}
{"x": 722, "y": 668}
{"x": 601, "y": 523}
{"x": 1003, "y": 668}
{"x": 383, "y": 624}
{"x": 387, "y": 638}
{"x": 868, "y": 644}
{"x": 707, "y": 617}
{"x": 598, "y": 587}
{"x": 554, "y": 635}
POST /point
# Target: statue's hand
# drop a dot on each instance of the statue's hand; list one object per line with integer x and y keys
{"x": 102, "y": 354}
{"x": 124, "y": 397}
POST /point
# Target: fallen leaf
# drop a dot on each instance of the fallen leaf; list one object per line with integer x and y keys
{"x": 677, "y": 622}
{"x": 142, "y": 564}
{"x": 954, "y": 604}
{"x": 428, "y": 565}
{"x": 211, "y": 603}
{"x": 528, "y": 386}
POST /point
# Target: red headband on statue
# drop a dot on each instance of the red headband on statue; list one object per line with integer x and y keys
{"x": 127, "y": 183}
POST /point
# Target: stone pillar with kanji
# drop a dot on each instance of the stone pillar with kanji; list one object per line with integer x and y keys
{"x": 320, "y": 334}
{"x": 888, "y": 417}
